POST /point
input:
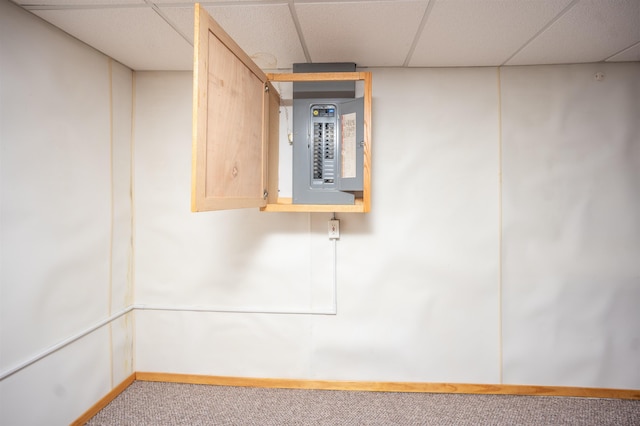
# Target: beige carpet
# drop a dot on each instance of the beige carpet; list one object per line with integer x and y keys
{"x": 151, "y": 403}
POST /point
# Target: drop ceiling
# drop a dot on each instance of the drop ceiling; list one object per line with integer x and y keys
{"x": 158, "y": 35}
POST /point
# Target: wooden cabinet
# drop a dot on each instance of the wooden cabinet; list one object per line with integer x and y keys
{"x": 235, "y": 127}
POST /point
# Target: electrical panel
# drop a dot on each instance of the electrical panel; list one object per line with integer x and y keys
{"x": 328, "y": 143}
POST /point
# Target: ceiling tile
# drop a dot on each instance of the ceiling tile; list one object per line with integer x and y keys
{"x": 480, "y": 33}
{"x": 137, "y": 37}
{"x": 368, "y": 32}
{"x": 267, "y": 33}
{"x": 591, "y": 31}
{"x": 377, "y": 33}
{"x": 629, "y": 55}
{"x": 86, "y": 4}
{"x": 213, "y": 2}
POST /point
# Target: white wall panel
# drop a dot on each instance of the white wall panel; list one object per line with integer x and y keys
{"x": 58, "y": 226}
{"x": 571, "y": 161}
{"x": 239, "y": 345}
{"x": 58, "y": 389}
{"x": 417, "y": 278}
{"x": 55, "y": 185}
{"x": 230, "y": 259}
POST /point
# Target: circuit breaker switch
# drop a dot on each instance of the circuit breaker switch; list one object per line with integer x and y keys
{"x": 334, "y": 229}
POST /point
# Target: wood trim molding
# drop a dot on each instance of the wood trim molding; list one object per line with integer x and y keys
{"x": 95, "y": 408}
{"x": 320, "y": 76}
{"x": 464, "y": 388}
{"x": 452, "y": 388}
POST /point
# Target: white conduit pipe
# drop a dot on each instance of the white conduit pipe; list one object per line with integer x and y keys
{"x": 333, "y": 311}
{"x": 224, "y": 310}
{"x": 64, "y": 343}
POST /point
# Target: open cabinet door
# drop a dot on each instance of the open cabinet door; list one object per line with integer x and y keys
{"x": 230, "y": 122}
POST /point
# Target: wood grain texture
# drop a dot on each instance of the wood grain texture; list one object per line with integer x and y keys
{"x": 235, "y": 127}
{"x": 200, "y": 58}
{"x": 463, "y": 388}
{"x": 229, "y": 167}
{"x": 286, "y": 205}
{"x": 273, "y": 151}
{"x": 104, "y": 401}
{"x": 319, "y": 76}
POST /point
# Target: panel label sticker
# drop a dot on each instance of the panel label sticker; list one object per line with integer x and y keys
{"x": 349, "y": 145}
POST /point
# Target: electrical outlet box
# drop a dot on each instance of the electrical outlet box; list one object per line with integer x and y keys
{"x": 334, "y": 229}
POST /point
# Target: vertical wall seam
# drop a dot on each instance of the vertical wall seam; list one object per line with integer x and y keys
{"x": 132, "y": 245}
{"x": 500, "y": 353}
{"x": 310, "y": 259}
{"x": 111, "y": 219}
{"x": 311, "y": 345}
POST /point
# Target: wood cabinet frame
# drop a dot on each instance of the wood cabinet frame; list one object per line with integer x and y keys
{"x": 236, "y": 127}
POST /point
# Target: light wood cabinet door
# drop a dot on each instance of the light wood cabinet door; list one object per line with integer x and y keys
{"x": 231, "y": 102}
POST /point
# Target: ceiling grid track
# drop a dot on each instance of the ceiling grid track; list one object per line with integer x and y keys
{"x": 542, "y": 30}
{"x": 166, "y": 19}
{"x": 416, "y": 38}
{"x": 80, "y": 6}
{"x": 633, "y": 46}
{"x": 296, "y": 22}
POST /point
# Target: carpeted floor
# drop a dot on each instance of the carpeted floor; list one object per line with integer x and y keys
{"x": 152, "y": 403}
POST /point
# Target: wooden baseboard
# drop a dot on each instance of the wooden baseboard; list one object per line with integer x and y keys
{"x": 464, "y": 388}
{"x": 104, "y": 401}
{"x": 481, "y": 389}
